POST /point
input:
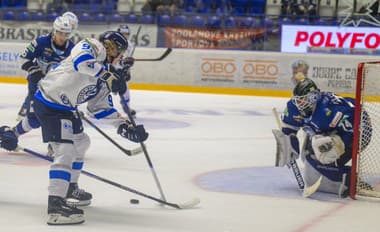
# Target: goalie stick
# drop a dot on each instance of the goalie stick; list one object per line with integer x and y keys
{"x": 306, "y": 191}
{"x": 185, "y": 205}
{"x": 125, "y": 151}
{"x": 163, "y": 56}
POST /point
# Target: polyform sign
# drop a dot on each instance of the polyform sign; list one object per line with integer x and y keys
{"x": 296, "y": 38}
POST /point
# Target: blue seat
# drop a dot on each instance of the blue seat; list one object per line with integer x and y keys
{"x": 23, "y": 16}
{"x": 116, "y": 18}
{"x": 214, "y": 22}
{"x": 179, "y": 20}
{"x": 284, "y": 21}
{"x": 321, "y": 21}
{"x": 197, "y": 21}
{"x": 51, "y": 16}
{"x": 131, "y": 18}
{"x": 164, "y": 20}
{"x": 230, "y": 22}
{"x": 9, "y": 15}
{"x": 247, "y": 22}
{"x": 147, "y": 19}
{"x": 301, "y": 21}
{"x": 38, "y": 16}
{"x": 85, "y": 17}
{"x": 100, "y": 17}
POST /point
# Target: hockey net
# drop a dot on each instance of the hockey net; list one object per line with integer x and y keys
{"x": 365, "y": 173}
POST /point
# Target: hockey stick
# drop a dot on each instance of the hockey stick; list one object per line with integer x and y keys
{"x": 186, "y": 205}
{"x": 126, "y": 109}
{"x": 163, "y": 56}
{"x": 126, "y": 151}
{"x": 306, "y": 191}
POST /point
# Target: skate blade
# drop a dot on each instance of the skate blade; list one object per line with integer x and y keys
{"x": 58, "y": 219}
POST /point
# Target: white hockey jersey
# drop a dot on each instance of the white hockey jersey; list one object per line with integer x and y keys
{"x": 76, "y": 79}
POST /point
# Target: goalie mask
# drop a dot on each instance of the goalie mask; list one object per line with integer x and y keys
{"x": 305, "y": 97}
{"x": 115, "y": 44}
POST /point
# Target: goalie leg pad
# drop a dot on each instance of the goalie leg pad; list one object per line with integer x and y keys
{"x": 287, "y": 147}
{"x": 336, "y": 178}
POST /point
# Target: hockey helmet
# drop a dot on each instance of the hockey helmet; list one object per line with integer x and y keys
{"x": 305, "y": 96}
{"x": 73, "y": 19}
{"x": 115, "y": 43}
{"x": 124, "y": 29}
{"x": 63, "y": 25}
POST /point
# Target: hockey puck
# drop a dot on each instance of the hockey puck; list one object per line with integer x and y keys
{"x": 134, "y": 201}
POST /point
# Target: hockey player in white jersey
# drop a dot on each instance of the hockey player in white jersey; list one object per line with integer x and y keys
{"x": 78, "y": 79}
{"x": 123, "y": 65}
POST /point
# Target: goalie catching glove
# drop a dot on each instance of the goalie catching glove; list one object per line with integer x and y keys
{"x": 135, "y": 134}
{"x": 327, "y": 149}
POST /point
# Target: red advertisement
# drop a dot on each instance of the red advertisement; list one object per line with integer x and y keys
{"x": 211, "y": 38}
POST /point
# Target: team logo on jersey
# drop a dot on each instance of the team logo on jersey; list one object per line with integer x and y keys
{"x": 65, "y": 99}
{"x": 328, "y": 112}
{"x": 86, "y": 93}
{"x": 336, "y": 119}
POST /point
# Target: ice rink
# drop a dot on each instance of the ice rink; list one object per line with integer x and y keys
{"x": 219, "y": 148}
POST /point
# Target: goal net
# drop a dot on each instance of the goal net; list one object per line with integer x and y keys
{"x": 365, "y": 174}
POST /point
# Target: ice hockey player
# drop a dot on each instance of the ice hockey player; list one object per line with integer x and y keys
{"x": 327, "y": 119}
{"x": 126, "y": 62}
{"x": 84, "y": 76}
{"x": 39, "y": 56}
{"x": 123, "y": 65}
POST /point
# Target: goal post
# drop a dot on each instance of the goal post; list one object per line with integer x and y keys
{"x": 365, "y": 171}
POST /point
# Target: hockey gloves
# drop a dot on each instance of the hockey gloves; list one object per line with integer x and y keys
{"x": 8, "y": 139}
{"x": 135, "y": 134}
{"x": 35, "y": 73}
{"x": 128, "y": 62}
{"x": 114, "y": 82}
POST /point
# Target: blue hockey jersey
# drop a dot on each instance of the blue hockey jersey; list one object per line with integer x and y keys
{"x": 333, "y": 114}
{"x": 43, "y": 51}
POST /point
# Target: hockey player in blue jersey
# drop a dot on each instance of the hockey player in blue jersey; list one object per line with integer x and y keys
{"x": 327, "y": 119}
{"x": 39, "y": 56}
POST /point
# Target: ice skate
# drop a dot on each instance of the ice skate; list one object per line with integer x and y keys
{"x": 59, "y": 213}
{"x": 77, "y": 197}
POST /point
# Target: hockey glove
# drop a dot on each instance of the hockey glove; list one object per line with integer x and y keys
{"x": 35, "y": 73}
{"x": 128, "y": 62}
{"x": 135, "y": 134}
{"x": 8, "y": 139}
{"x": 327, "y": 149}
{"x": 114, "y": 82}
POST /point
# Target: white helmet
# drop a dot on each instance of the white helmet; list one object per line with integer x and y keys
{"x": 62, "y": 24}
{"x": 99, "y": 49}
{"x": 73, "y": 19}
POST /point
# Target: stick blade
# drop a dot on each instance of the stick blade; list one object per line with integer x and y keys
{"x": 308, "y": 191}
{"x": 189, "y": 204}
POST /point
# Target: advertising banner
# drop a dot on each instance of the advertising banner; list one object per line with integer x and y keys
{"x": 28, "y": 31}
{"x": 298, "y": 39}
{"x": 212, "y": 38}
